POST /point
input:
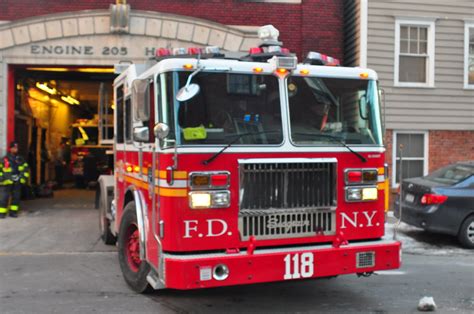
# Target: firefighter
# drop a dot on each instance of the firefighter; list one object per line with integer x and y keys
{"x": 14, "y": 172}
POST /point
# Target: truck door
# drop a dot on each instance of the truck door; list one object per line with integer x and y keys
{"x": 119, "y": 143}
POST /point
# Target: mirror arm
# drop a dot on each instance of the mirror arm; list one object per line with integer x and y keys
{"x": 199, "y": 69}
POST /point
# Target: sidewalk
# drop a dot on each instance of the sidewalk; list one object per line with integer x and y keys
{"x": 68, "y": 222}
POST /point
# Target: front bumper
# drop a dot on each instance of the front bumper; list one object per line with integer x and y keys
{"x": 278, "y": 264}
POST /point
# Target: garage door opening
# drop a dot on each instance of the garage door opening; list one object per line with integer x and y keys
{"x": 64, "y": 123}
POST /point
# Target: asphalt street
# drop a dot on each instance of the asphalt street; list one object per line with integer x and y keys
{"x": 51, "y": 261}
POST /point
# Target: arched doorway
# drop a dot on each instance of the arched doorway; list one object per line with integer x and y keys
{"x": 66, "y": 48}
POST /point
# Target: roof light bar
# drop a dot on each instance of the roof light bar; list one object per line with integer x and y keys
{"x": 212, "y": 49}
{"x": 288, "y": 63}
{"x": 316, "y": 58}
{"x": 179, "y": 51}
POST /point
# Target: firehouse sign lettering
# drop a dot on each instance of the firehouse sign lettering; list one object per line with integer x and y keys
{"x": 215, "y": 228}
{"x": 78, "y": 50}
{"x": 359, "y": 219}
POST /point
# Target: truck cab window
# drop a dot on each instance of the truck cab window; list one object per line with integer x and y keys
{"x": 120, "y": 113}
{"x": 228, "y": 106}
{"x": 128, "y": 120}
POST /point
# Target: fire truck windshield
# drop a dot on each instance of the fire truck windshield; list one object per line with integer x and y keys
{"x": 342, "y": 109}
{"x": 227, "y": 106}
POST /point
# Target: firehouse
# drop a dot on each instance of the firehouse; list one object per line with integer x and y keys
{"x": 245, "y": 167}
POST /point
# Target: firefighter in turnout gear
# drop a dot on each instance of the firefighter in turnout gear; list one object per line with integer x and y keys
{"x": 14, "y": 172}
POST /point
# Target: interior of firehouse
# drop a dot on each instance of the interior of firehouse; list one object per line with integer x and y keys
{"x": 64, "y": 124}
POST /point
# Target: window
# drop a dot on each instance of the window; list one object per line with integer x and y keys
{"x": 165, "y": 100}
{"x": 242, "y": 109}
{"x": 128, "y": 121}
{"x": 469, "y": 55}
{"x": 119, "y": 110}
{"x": 414, "y": 53}
{"x": 414, "y": 155}
{"x": 328, "y": 111}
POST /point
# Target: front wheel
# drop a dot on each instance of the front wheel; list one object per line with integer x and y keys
{"x": 466, "y": 233}
{"x": 134, "y": 269}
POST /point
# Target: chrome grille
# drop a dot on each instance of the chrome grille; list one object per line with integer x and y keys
{"x": 286, "y": 223}
{"x": 287, "y": 184}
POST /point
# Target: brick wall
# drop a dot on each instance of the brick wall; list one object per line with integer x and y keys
{"x": 311, "y": 25}
{"x": 447, "y": 147}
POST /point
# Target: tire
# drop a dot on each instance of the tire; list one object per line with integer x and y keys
{"x": 104, "y": 224}
{"x": 466, "y": 233}
{"x": 134, "y": 270}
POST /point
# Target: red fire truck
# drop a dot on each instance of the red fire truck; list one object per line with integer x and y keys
{"x": 245, "y": 168}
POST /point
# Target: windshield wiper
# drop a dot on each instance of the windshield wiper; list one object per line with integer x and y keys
{"x": 238, "y": 137}
{"x": 337, "y": 140}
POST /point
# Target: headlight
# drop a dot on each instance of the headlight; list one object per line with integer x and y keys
{"x": 199, "y": 200}
{"x": 209, "y": 199}
{"x": 356, "y": 194}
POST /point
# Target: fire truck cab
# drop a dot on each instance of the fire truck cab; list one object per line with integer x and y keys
{"x": 238, "y": 169}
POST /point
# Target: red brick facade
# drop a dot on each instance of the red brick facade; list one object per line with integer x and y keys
{"x": 447, "y": 147}
{"x": 444, "y": 148}
{"x": 312, "y": 25}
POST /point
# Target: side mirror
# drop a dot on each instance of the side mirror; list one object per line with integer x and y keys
{"x": 141, "y": 99}
{"x": 161, "y": 130}
{"x": 187, "y": 92}
{"x": 141, "y": 134}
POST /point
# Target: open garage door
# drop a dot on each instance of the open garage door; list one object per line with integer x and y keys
{"x": 59, "y": 122}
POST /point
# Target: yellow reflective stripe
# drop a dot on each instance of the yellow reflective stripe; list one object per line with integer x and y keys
{"x": 176, "y": 174}
{"x": 173, "y": 192}
{"x": 3, "y": 210}
{"x": 161, "y": 191}
{"x": 7, "y": 169}
{"x": 387, "y": 195}
{"x": 14, "y": 208}
{"x": 26, "y": 174}
{"x": 25, "y": 164}
{"x": 21, "y": 168}
{"x": 7, "y": 182}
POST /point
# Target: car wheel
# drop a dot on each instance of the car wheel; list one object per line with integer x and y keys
{"x": 466, "y": 233}
{"x": 134, "y": 269}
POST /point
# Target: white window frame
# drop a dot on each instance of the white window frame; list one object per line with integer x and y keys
{"x": 394, "y": 154}
{"x": 467, "y": 26}
{"x": 430, "y": 67}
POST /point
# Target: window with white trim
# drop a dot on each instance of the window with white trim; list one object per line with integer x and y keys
{"x": 469, "y": 55}
{"x": 414, "y": 53}
{"x": 414, "y": 155}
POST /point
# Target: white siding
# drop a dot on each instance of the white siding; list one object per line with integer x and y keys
{"x": 447, "y": 106}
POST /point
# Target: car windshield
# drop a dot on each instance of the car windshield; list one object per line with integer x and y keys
{"x": 452, "y": 174}
{"x": 244, "y": 108}
{"x": 325, "y": 109}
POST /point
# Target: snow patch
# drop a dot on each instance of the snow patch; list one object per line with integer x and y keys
{"x": 426, "y": 304}
{"x": 418, "y": 241}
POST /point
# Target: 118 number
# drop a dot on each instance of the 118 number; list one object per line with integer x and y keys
{"x": 299, "y": 266}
